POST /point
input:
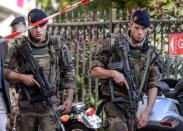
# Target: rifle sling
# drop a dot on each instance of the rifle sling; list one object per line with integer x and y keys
{"x": 146, "y": 70}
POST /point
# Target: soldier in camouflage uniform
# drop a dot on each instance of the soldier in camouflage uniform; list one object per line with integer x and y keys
{"x": 54, "y": 57}
{"x": 18, "y": 24}
{"x": 120, "y": 116}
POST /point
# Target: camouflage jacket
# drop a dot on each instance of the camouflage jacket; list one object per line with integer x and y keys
{"x": 53, "y": 56}
{"x": 106, "y": 53}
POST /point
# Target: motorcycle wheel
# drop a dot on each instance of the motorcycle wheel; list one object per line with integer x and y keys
{"x": 77, "y": 126}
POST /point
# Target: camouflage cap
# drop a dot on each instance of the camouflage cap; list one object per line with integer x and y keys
{"x": 17, "y": 20}
{"x": 36, "y": 15}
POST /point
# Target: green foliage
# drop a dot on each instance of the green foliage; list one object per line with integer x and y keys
{"x": 45, "y": 4}
{"x": 90, "y": 101}
{"x": 128, "y": 4}
{"x": 157, "y": 9}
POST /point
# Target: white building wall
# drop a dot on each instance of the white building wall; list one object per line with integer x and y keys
{"x": 9, "y": 9}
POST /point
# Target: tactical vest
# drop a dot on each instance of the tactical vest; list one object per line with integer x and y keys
{"x": 137, "y": 59}
{"x": 48, "y": 58}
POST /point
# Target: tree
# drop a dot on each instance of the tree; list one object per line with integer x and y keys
{"x": 157, "y": 8}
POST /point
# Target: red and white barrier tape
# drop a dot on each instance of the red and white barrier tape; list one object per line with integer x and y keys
{"x": 69, "y": 8}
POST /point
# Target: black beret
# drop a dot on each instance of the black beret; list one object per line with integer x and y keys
{"x": 17, "y": 20}
{"x": 36, "y": 15}
{"x": 141, "y": 17}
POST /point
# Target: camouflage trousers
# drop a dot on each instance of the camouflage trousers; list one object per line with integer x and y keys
{"x": 34, "y": 121}
{"x": 14, "y": 109}
{"x": 116, "y": 119}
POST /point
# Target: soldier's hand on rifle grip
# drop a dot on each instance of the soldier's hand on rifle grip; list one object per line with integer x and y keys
{"x": 29, "y": 80}
{"x": 119, "y": 78}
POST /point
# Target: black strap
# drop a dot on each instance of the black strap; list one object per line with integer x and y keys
{"x": 100, "y": 107}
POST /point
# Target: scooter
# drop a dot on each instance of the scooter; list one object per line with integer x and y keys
{"x": 167, "y": 113}
{"x": 80, "y": 119}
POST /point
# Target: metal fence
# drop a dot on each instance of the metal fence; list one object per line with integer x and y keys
{"x": 83, "y": 37}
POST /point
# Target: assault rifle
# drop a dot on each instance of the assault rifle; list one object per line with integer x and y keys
{"x": 123, "y": 66}
{"x": 45, "y": 88}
